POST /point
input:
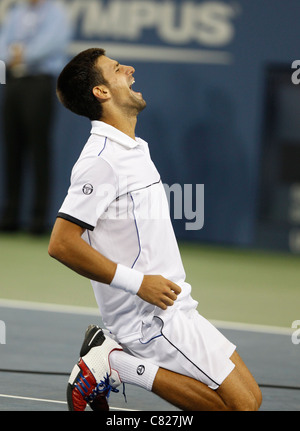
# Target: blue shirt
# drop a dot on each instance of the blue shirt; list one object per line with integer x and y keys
{"x": 45, "y": 32}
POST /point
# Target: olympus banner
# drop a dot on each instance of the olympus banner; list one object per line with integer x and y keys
{"x": 171, "y": 31}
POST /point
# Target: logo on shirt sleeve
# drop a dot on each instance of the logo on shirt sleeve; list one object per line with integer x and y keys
{"x": 140, "y": 370}
{"x": 87, "y": 189}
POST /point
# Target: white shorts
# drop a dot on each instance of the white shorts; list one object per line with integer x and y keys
{"x": 186, "y": 343}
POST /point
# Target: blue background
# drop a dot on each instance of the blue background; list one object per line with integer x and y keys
{"x": 203, "y": 122}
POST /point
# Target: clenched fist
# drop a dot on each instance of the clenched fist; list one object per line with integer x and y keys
{"x": 158, "y": 291}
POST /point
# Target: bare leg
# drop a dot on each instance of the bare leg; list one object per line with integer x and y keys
{"x": 239, "y": 391}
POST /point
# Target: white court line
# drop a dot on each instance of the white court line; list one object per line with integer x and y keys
{"x": 92, "y": 311}
{"x": 16, "y": 397}
{"x": 41, "y": 306}
{"x": 32, "y": 399}
{"x": 252, "y": 327}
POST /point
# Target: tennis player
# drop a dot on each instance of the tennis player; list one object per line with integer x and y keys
{"x": 114, "y": 228}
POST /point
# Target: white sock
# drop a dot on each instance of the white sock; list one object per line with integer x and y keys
{"x": 133, "y": 370}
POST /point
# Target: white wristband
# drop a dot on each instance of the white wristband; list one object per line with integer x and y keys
{"x": 127, "y": 279}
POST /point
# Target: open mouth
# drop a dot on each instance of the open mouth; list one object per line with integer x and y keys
{"x": 135, "y": 93}
{"x": 130, "y": 86}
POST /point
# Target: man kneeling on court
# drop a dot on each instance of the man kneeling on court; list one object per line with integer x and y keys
{"x": 158, "y": 339}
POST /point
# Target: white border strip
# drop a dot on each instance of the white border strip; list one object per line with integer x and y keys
{"x": 91, "y": 311}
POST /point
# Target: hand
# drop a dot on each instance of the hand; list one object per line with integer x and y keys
{"x": 16, "y": 54}
{"x": 158, "y": 291}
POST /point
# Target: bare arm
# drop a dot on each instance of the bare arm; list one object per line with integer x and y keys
{"x": 67, "y": 246}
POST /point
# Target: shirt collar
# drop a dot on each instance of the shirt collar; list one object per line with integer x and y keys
{"x": 104, "y": 129}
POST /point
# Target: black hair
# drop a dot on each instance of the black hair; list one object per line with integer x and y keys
{"x": 76, "y": 82}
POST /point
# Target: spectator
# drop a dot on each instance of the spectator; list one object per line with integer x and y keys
{"x": 33, "y": 42}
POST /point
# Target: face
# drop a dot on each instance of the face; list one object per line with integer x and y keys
{"x": 120, "y": 81}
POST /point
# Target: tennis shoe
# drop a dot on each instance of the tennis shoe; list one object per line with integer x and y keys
{"x": 92, "y": 378}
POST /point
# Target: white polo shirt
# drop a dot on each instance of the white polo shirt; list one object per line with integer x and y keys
{"x": 117, "y": 195}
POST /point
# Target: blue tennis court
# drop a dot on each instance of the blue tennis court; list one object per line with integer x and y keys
{"x": 42, "y": 344}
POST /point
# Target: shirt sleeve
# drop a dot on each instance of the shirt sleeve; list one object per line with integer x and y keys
{"x": 93, "y": 188}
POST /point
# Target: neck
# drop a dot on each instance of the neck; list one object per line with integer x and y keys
{"x": 125, "y": 125}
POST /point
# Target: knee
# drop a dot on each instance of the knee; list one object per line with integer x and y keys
{"x": 258, "y": 397}
{"x": 250, "y": 403}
